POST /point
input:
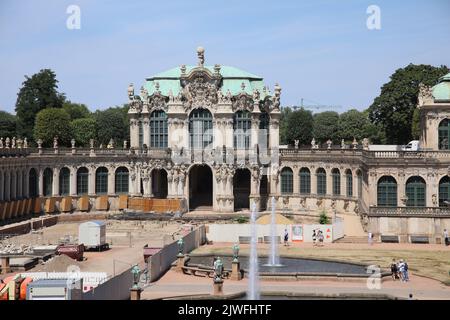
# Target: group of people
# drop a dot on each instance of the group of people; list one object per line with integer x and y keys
{"x": 317, "y": 237}
{"x": 399, "y": 270}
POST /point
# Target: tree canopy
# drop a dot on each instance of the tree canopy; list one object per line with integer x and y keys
{"x": 50, "y": 123}
{"x": 299, "y": 126}
{"x": 326, "y": 126}
{"x": 393, "y": 109}
{"x": 37, "y": 93}
{"x": 7, "y": 125}
{"x": 83, "y": 130}
{"x": 76, "y": 110}
{"x": 112, "y": 123}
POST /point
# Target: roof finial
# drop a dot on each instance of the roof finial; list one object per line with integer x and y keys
{"x": 201, "y": 56}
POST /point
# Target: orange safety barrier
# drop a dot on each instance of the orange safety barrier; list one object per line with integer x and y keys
{"x": 156, "y": 205}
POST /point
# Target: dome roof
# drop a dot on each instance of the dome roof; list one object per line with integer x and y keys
{"x": 232, "y": 79}
{"x": 441, "y": 91}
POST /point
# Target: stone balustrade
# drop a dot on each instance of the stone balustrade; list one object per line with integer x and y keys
{"x": 409, "y": 211}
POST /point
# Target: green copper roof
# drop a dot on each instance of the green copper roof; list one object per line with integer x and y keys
{"x": 441, "y": 91}
{"x": 232, "y": 80}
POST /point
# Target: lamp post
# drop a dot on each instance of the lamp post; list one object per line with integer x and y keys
{"x": 218, "y": 282}
{"x": 235, "y": 264}
{"x": 180, "y": 256}
{"x": 135, "y": 291}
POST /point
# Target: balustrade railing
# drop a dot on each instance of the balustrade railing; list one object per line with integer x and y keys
{"x": 409, "y": 211}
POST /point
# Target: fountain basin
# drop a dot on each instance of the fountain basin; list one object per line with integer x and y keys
{"x": 291, "y": 267}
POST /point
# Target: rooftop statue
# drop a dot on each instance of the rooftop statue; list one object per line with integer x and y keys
{"x": 201, "y": 56}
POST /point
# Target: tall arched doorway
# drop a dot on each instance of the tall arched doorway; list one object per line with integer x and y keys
{"x": 241, "y": 189}
{"x": 200, "y": 187}
{"x": 159, "y": 183}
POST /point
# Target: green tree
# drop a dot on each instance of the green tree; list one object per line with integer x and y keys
{"x": 76, "y": 110}
{"x": 299, "y": 126}
{"x": 112, "y": 123}
{"x": 285, "y": 112}
{"x": 323, "y": 218}
{"x": 415, "y": 127}
{"x": 37, "y": 93}
{"x": 7, "y": 125}
{"x": 325, "y": 127}
{"x": 393, "y": 109}
{"x": 50, "y": 123}
{"x": 83, "y": 131}
{"x": 356, "y": 124}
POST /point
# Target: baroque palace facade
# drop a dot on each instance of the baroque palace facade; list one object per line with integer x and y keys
{"x": 207, "y": 138}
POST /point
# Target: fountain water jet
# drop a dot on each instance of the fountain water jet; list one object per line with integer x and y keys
{"x": 274, "y": 257}
{"x": 253, "y": 291}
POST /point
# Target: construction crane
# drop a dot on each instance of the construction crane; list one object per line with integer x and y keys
{"x": 315, "y": 105}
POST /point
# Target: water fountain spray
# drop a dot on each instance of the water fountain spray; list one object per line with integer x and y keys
{"x": 253, "y": 291}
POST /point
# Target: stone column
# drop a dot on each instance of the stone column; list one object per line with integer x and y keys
{"x": 432, "y": 188}
{"x": 329, "y": 180}
{"x": 228, "y": 128}
{"x": 343, "y": 183}
{"x": 12, "y": 192}
{"x": 255, "y": 129}
{"x": 26, "y": 183}
{"x": 91, "y": 180}
{"x": 274, "y": 134}
{"x": 134, "y": 132}
{"x": 146, "y": 131}
{"x": 111, "y": 181}
{"x": 41, "y": 183}
{"x": 2, "y": 183}
{"x": 295, "y": 180}
{"x": 73, "y": 181}
{"x": 401, "y": 189}
{"x": 55, "y": 186}
{"x": 19, "y": 185}
{"x": 313, "y": 180}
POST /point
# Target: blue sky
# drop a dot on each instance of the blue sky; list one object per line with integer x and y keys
{"x": 318, "y": 50}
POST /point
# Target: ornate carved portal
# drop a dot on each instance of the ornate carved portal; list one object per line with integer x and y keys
{"x": 200, "y": 89}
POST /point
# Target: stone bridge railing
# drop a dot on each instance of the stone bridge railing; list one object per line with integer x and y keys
{"x": 409, "y": 212}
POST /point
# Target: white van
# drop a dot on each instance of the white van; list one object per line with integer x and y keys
{"x": 411, "y": 146}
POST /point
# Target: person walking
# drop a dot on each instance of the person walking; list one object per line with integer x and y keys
{"x": 405, "y": 272}
{"x": 446, "y": 238}
{"x": 320, "y": 238}
{"x": 401, "y": 270}
{"x": 370, "y": 238}
{"x": 314, "y": 237}
{"x": 394, "y": 270}
{"x": 286, "y": 237}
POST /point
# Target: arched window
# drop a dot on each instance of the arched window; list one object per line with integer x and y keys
{"x": 141, "y": 134}
{"x": 305, "y": 181}
{"x": 64, "y": 181}
{"x": 349, "y": 182}
{"x": 82, "y": 181}
{"x": 200, "y": 129}
{"x": 287, "y": 183}
{"x": 336, "y": 177}
{"x": 444, "y": 135}
{"x": 444, "y": 191}
{"x": 101, "y": 180}
{"x": 32, "y": 183}
{"x": 387, "y": 192}
{"x": 158, "y": 129}
{"x": 321, "y": 181}
{"x": 264, "y": 132}
{"x": 48, "y": 182}
{"x": 121, "y": 180}
{"x": 415, "y": 192}
{"x": 242, "y": 125}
